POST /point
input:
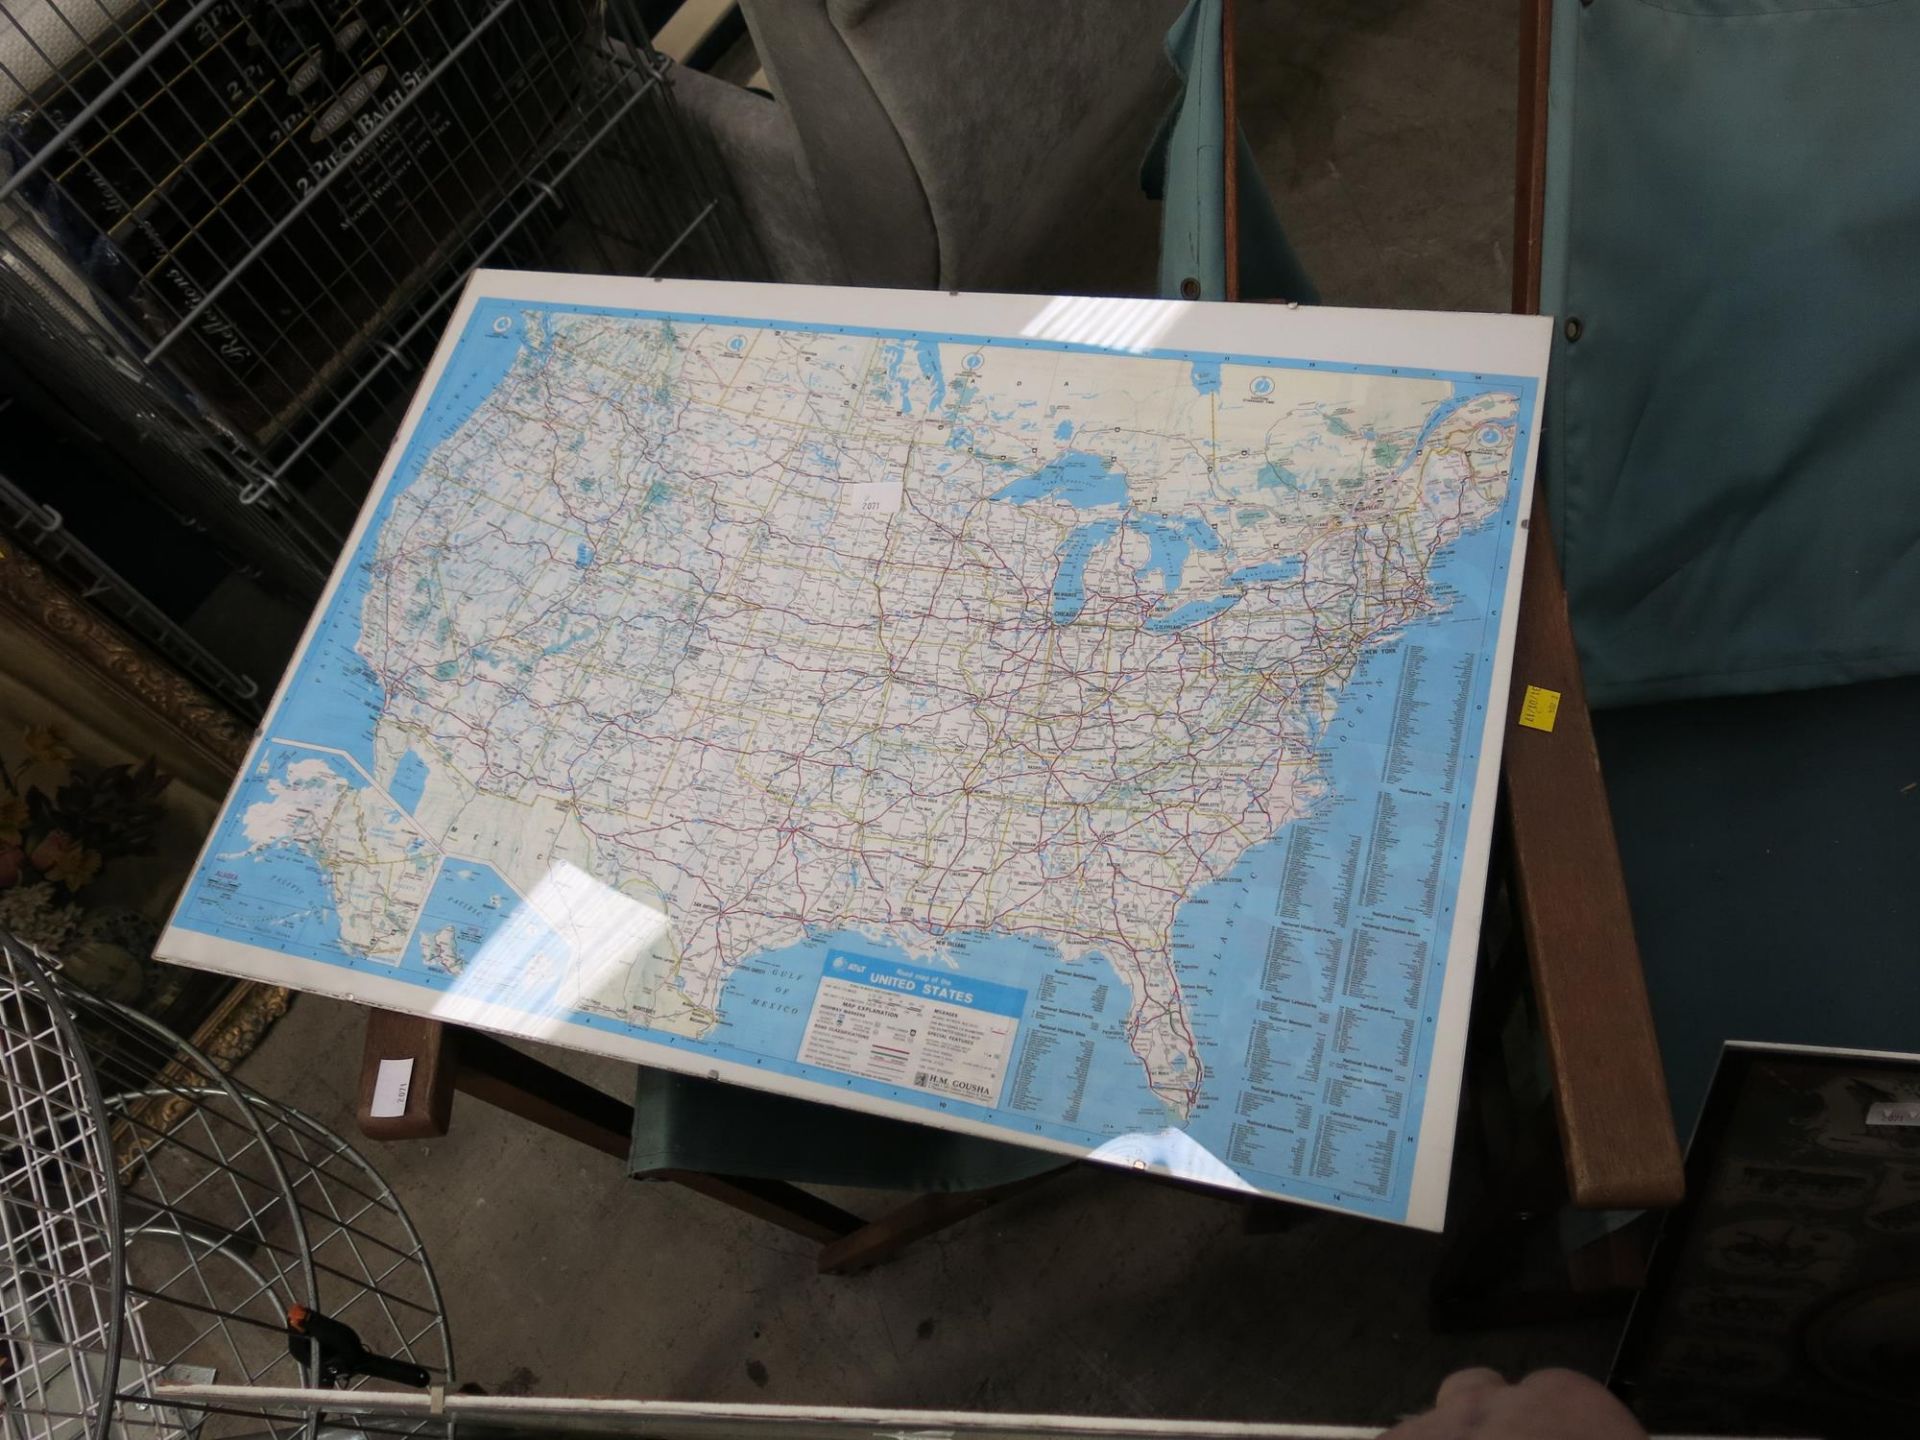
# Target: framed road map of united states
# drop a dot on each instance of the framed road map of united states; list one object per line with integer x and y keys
{"x": 1068, "y": 721}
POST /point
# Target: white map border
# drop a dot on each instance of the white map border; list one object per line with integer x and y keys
{"x": 1423, "y": 340}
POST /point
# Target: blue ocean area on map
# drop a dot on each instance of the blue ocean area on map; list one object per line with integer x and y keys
{"x": 478, "y": 940}
{"x": 285, "y": 901}
{"x": 471, "y": 901}
{"x": 1234, "y": 1006}
{"x": 335, "y": 693}
{"x": 1309, "y": 970}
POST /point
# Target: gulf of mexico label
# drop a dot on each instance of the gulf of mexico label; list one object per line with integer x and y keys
{"x": 943, "y": 1034}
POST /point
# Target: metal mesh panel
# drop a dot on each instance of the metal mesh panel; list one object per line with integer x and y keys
{"x": 160, "y": 1219}
{"x": 239, "y": 223}
{"x": 60, "y": 1307}
{"x": 42, "y": 529}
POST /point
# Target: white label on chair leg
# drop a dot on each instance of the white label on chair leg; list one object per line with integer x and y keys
{"x": 390, "y": 1089}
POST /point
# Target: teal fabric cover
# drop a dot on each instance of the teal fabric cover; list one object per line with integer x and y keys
{"x": 681, "y": 1122}
{"x": 1183, "y": 172}
{"x": 1771, "y": 845}
{"x": 1731, "y": 459}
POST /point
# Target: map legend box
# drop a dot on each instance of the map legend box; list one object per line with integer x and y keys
{"x": 943, "y": 1034}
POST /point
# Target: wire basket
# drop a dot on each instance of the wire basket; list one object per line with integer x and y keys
{"x": 230, "y": 229}
{"x": 161, "y": 1220}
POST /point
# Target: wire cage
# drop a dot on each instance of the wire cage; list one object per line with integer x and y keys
{"x": 232, "y": 228}
{"x": 162, "y": 1220}
{"x": 42, "y": 529}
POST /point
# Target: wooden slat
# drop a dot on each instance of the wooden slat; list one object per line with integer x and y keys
{"x": 429, "y": 1109}
{"x": 494, "y": 1072}
{"x": 1610, "y": 1091}
{"x": 1530, "y": 155}
{"x": 1230, "y": 143}
{"x": 774, "y": 1201}
{"x": 915, "y": 1220}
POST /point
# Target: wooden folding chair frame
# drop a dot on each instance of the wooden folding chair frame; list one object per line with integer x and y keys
{"x": 1609, "y": 1143}
{"x": 1610, "y": 1092}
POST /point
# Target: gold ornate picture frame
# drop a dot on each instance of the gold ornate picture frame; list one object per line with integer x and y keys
{"x": 81, "y": 695}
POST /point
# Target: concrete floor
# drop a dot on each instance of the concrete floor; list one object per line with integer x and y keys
{"x": 1097, "y": 1294}
{"x": 1386, "y": 130}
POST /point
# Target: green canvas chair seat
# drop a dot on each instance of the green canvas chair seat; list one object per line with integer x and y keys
{"x": 685, "y": 1123}
{"x": 1771, "y": 846}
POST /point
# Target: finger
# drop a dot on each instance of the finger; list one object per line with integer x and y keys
{"x": 1461, "y": 1399}
{"x": 1430, "y": 1426}
{"x": 1581, "y": 1407}
{"x": 1464, "y": 1384}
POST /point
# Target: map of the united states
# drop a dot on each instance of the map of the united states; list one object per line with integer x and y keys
{"x": 690, "y": 642}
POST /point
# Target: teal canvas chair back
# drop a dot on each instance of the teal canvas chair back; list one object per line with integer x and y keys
{"x": 1722, "y": 209}
{"x": 1731, "y": 242}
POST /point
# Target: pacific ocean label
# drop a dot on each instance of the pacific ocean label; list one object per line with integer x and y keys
{"x": 943, "y": 1034}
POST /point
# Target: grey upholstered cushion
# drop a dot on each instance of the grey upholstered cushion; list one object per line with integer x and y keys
{"x": 992, "y": 145}
{"x": 1025, "y": 124}
{"x": 869, "y": 195}
{"x": 756, "y": 141}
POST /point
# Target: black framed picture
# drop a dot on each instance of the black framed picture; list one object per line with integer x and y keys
{"x": 1783, "y": 1296}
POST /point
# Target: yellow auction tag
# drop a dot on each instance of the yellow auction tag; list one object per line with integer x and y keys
{"x": 1539, "y": 707}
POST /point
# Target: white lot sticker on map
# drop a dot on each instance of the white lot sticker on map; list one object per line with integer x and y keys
{"x": 944, "y": 1034}
{"x": 870, "y": 497}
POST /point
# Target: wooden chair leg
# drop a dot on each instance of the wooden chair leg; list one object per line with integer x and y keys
{"x": 774, "y": 1201}
{"x": 422, "y": 1050}
{"x": 880, "y": 1240}
{"x": 1508, "y": 1262}
{"x": 492, "y": 1071}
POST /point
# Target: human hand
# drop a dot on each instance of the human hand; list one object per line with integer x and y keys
{"x": 1547, "y": 1405}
